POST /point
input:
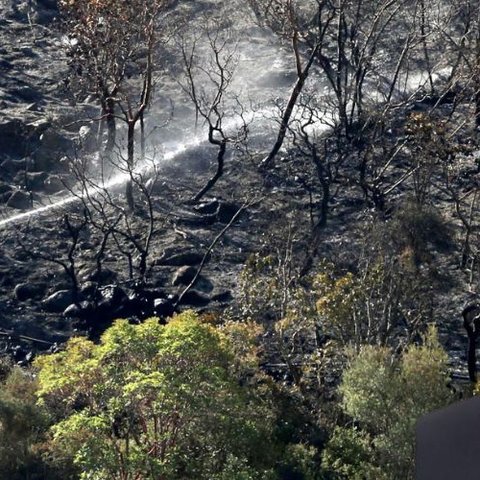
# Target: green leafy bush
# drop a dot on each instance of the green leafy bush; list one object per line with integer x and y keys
{"x": 386, "y": 395}
{"x": 23, "y": 425}
{"x": 155, "y": 401}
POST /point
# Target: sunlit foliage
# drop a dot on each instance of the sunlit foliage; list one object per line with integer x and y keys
{"x": 154, "y": 401}
{"x": 385, "y": 395}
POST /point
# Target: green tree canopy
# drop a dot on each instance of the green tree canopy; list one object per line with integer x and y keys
{"x": 155, "y": 401}
{"x": 386, "y": 395}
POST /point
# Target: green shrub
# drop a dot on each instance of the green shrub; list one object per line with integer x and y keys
{"x": 23, "y": 425}
{"x": 155, "y": 401}
{"x": 386, "y": 395}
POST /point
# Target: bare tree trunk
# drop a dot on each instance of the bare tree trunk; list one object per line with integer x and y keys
{"x": 312, "y": 248}
{"x": 111, "y": 125}
{"x": 130, "y": 165}
{"x": 287, "y": 114}
{"x": 476, "y": 74}
{"x": 220, "y": 164}
{"x": 142, "y": 136}
{"x": 471, "y": 316}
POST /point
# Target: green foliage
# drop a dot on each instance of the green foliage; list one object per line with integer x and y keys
{"x": 22, "y": 427}
{"x": 154, "y": 401}
{"x": 349, "y": 456}
{"x": 386, "y": 395}
{"x": 430, "y": 150}
{"x": 372, "y": 306}
{"x": 301, "y": 461}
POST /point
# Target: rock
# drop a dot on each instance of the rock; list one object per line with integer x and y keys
{"x": 58, "y": 301}
{"x": 163, "y": 307}
{"x": 226, "y": 211}
{"x": 112, "y": 297}
{"x": 72, "y": 311}
{"x": 64, "y": 165}
{"x": 45, "y": 11}
{"x": 82, "y": 310}
{"x": 139, "y": 304}
{"x": 48, "y": 4}
{"x": 26, "y": 291}
{"x": 52, "y": 147}
{"x": 5, "y": 188}
{"x": 203, "y": 284}
{"x": 16, "y": 138}
{"x": 28, "y": 51}
{"x": 195, "y": 298}
{"x": 54, "y": 184}
{"x": 32, "y": 107}
{"x": 13, "y": 167}
{"x": 91, "y": 274}
{"x": 18, "y": 353}
{"x": 207, "y": 207}
{"x": 19, "y": 200}
{"x": 184, "y": 275}
{"x": 181, "y": 259}
{"x": 35, "y": 180}
{"x": 225, "y": 296}
{"x": 26, "y": 93}
{"x": 39, "y": 126}
{"x": 52, "y": 140}
{"x": 88, "y": 289}
{"x": 5, "y": 65}
{"x": 198, "y": 221}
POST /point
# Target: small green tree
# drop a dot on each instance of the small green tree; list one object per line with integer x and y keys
{"x": 154, "y": 401}
{"x": 386, "y": 395}
{"x": 23, "y": 426}
{"x": 349, "y": 455}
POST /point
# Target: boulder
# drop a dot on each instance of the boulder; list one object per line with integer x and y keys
{"x": 91, "y": 274}
{"x": 197, "y": 221}
{"x": 163, "y": 307}
{"x": 5, "y": 65}
{"x": 49, "y": 4}
{"x": 87, "y": 137}
{"x": 139, "y": 304}
{"x": 208, "y": 207}
{"x": 53, "y": 140}
{"x": 26, "y": 291}
{"x": 194, "y": 298}
{"x": 35, "y": 180}
{"x": 52, "y": 146}
{"x": 26, "y": 93}
{"x": 111, "y": 298}
{"x": 225, "y": 296}
{"x": 184, "y": 275}
{"x": 180, "y": 259}
{"x": 5, "y": 189}
{"x": 16, "y": 138}
{"x": 45, "y": 11}
{"x": 20, "y": 200}
{"x": 203, "y": 284}
{"x": 88, "y": 289}
{"x": 54, "y": 184}
{"x": 226, "y": 211}
{"x": 12, "y": 167}
{"x": 58, "y": 301}
{"x": 82, "y": 310}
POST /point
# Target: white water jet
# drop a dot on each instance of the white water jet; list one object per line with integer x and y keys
{"x": 117, "y": 180}
{"x": 121, "y": 178}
